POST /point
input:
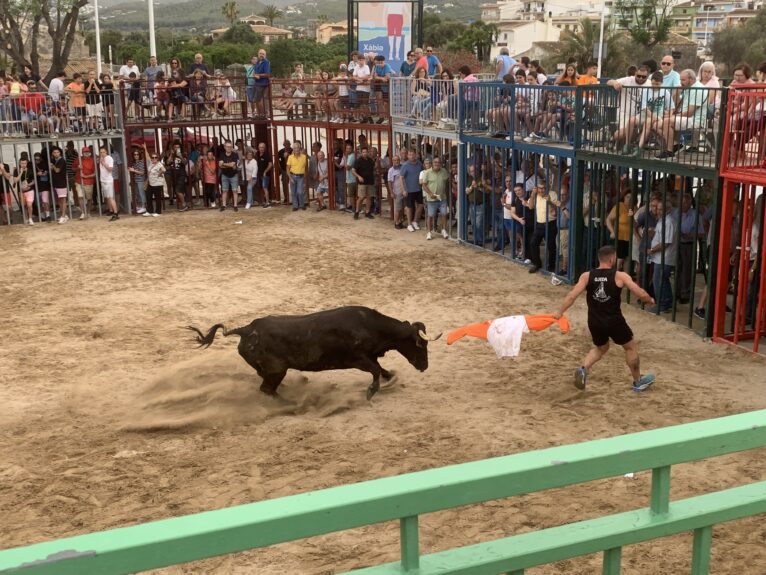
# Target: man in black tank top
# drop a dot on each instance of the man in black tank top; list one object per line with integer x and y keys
{"x": 603, "y": 288}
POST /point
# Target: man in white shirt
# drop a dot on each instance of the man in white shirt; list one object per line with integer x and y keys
{"x": 630, "y": 103}
{"x": 56, "y": 92}
{"x": 662, "y": 253}
{"x": 106, "y": 179}
{"x": 127, "y": 68}
{"x": 361, "y": 75}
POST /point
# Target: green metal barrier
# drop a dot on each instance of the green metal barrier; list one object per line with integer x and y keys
{"x": 405, "y": 497}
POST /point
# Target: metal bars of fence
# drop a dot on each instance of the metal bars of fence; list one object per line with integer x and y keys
{"x": 745, "y": 134}
{"x": 652, "y": 122}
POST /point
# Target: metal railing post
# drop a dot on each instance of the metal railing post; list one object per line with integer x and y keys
{"x": 703, "y": 539}
{"x": 612, "y": 561}
{"x": 660, "y": 490}
{"x": 409, "y": 543}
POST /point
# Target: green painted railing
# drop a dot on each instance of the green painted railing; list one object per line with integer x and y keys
{"x": 405, "y": 497}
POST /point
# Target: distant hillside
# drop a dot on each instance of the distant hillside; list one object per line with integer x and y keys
{"x": 200, "y": 17}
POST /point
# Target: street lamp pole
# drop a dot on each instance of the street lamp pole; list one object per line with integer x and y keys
{"x": 601, "y": 43}
{"x": 98, "y": 38}
{"x": 152, "y": 42}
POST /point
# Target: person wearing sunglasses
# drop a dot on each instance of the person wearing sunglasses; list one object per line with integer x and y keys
{"x": 630, "y": 104}
{"x": 670, "y": 78}
{"x": 155, "y": 175}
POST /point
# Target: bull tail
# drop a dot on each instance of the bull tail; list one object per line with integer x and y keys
{"x": 206, "y": 340}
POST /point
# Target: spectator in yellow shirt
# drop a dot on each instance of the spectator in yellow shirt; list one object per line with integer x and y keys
{"x": 297, "y": 164}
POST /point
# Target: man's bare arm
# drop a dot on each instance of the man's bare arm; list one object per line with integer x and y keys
{"x": 573, "y": 294}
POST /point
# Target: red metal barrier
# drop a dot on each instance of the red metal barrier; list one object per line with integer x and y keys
{"x": 744, "y": 145}
{"x": 740, "y": 302}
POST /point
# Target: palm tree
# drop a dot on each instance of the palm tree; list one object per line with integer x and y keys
{"x": 271, "y": 13}
{"x": 231, "y": 11}
{"x": 578, "y": 44}
{"x": 322, "y": 19}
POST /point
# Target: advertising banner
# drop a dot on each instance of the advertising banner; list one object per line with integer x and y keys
{"x": 385, "y": 28}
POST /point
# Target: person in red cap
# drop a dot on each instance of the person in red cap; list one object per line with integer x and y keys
{"x": 84, "y": 169}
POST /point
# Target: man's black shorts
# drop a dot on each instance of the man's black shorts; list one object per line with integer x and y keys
{"x": 617, "y": 329}
{"x": 414, "y": 198}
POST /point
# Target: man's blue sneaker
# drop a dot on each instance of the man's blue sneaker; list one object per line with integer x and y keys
{"x": 581, "y": 377}
{"x": 644, "y": 382}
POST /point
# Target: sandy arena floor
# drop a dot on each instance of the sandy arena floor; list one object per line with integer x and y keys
{"x": 111, "y": 416}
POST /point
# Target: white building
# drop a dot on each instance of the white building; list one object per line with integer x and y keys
{"x": 518, "y": 35}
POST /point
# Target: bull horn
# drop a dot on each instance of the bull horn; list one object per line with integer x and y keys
{"x": 423, "y": 334}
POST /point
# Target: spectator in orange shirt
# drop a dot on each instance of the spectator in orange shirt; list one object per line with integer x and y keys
{"x": 590, "y": 75}
{"x": 76, "y": 91}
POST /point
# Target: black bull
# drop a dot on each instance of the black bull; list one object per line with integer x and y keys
{"x": 351, "y": 337}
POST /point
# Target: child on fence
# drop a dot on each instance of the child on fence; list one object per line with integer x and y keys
{"x": 107, "y": 99}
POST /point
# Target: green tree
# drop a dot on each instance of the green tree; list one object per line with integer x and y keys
{"x": 271, "y": 13}
{"x": 736, "y": 44}
{"x": 647, "y": 21}
{"x": 241, "y": 33}
{"x": 578, "y": 44}
{"x": 439, "y": 33}
{"x": 21, "y": 27}
{"x": 479, "y": 38}
{"x": 108, "y": 38}
{"x": 230, "y": 10}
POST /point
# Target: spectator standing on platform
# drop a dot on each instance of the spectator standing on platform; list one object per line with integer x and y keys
{"x": 137, "y": 170}
{"x": 250, "y": 167}
{"x": 545, "y": 203}
{"x": 176, "y": 166}
{"x": 27, "y": 75}
{"x": 691, "y": 232}
{"x": 663, "y": 255}
{"x": 43, "y": 177}
{"x": 106, "y": 179}
{"x": 434, "y": 64}
{"x": 297, "y": 166}
{"x": 282, "y": 156}
{"x": 364, "y": 172}
{"x": 70, "y": 155}
{"x": 381, "y": 76}
{"x": 265, "y": 168}
{"x": 210, "y": 178}
{"x": 620, "y": 226}
{"x": 435, "y": 190}
{"x": 671, "y": 78}
{"x": 362, "y": 77}
{"x": 93, "y": 107}
{"x": 351, "y": 185}
{"x": 23, "y": 177}
{"x": 339, "y": 162}
{"x": 107, "y": 99}
{"x": 413, "y": 194}
{"x": 57, "y": 95}
{"x": 59, "y": 181}
{"x": 150, "y": 73}
{"x": 504, "y": 64}
{"x": 261, "y": 74}
{"x": 178, "y": 88}
{"x": 84, "y": 178}
{"x": 408, "y": 66}
{"x": 396, "y": 190}
{"x": 155, "y": 175}
{"x": 322, "y": 180}
{"x": 198, "y": 65}
{"x": 229, "y": 164}
{"x": 77, "y": 99}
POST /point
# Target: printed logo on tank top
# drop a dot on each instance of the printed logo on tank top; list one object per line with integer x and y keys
{"x": 600, "y": 294}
